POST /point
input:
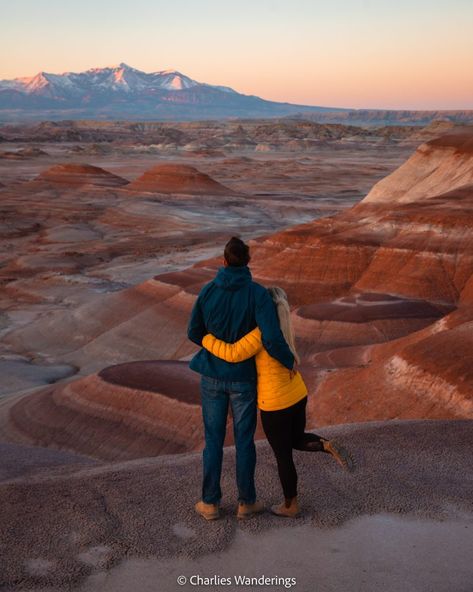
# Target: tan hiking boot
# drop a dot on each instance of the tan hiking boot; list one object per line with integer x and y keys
{"x": 293, "y": 511}
{"x": 208, "y": 511}
{"x": 340, "y": 454}
{"x": 247, "y": 510}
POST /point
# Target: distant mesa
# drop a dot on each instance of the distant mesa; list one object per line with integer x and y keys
{"x": 178, "y": 178}
{"x": 81, "y": 174}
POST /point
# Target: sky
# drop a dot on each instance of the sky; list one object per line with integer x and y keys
{"x": 396, "y": 54}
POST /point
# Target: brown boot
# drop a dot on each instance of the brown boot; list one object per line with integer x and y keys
{"x": 288, "y": 509}
{"x": 208, "y": 511}
{"x": 340, "y": 454}
{"x": 247, "y": 510}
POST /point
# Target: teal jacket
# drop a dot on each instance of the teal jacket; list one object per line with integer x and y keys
{"x": 229, "y": 307}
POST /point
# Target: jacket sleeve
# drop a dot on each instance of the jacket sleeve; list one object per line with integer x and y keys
{"x": 196, "y": 328}
{"x": 243, "y": 349}
{"x": 272, "y": 337}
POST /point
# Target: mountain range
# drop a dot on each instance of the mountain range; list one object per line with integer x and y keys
{"x": 123, "y": 92}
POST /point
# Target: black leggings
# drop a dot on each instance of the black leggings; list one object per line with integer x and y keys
{"x": 285, "y": 430}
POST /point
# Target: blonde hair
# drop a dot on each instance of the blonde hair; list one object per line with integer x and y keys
{"x": 279, "y": 297}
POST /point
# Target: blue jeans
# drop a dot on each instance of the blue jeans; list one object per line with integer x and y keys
{"x": 217, "y": 395}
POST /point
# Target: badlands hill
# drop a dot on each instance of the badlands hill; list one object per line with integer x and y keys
{"x": 80, "y": 174}
{"x": 126, "y": 411}
{"x": 383, "y": 307}
{"x": 438, "y": 167}
{"x": 161, "y": 178}
{"x": 177, "y": 178}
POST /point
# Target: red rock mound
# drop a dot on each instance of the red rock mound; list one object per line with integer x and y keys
{"x": 132, "y": 410}
{"x": 81, "y": 174}
{"x": 426, "y": 374}
{"x": 177, "y": 178}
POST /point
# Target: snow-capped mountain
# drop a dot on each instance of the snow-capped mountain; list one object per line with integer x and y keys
{"x": 121, "y": 78}
{"x": 123, "y": 91}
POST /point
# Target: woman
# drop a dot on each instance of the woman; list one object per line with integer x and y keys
{"x": 282, "y": 400}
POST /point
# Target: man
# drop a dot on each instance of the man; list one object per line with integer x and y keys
{"x": 230, "y": 306}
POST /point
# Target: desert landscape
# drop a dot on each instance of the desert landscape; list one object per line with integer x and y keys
{"x": 335, "y": 139}
{"x": 91, "y": 212}
{"x": 108, "y": 232}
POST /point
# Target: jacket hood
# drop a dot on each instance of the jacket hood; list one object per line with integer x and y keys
{"x": 233, "y": 278}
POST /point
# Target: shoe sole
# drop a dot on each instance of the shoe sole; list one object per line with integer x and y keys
{"x": 246, "y": 516}
{"x": 209, "y": 516}
{"x": 342, "y": 456}
{"x": 250, "y": 514}
{"x": 285, "y": 515}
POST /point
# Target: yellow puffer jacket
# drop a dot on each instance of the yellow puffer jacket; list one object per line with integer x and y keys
{"x": 278, "y": 388}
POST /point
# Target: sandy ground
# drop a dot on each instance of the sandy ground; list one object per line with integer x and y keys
{"x": 369, "y": 554}
{"x": 106, "y": 526}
